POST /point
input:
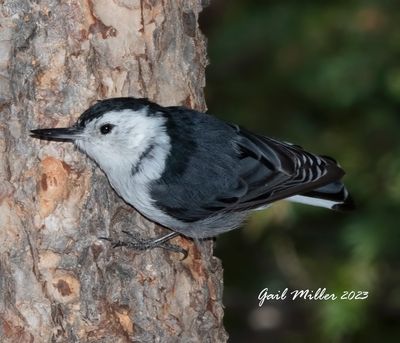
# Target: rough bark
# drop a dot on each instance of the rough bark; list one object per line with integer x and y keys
{"x": 58, "y": 281}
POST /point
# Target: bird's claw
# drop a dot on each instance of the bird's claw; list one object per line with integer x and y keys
{"x": 142, "y": 244}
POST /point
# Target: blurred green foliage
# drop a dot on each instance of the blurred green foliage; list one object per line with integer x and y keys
{"x": 324, "y": 75}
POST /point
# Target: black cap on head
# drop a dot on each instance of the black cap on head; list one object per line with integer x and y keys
{"x": 115, "y": 104}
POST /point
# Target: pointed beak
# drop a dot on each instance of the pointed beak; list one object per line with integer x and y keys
{"x": 65, "y": 133}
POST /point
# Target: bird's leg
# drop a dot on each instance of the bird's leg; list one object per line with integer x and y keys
{"x": 142, "y": 244}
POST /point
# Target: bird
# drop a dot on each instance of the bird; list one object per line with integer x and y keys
{"x": 193, "y": 173}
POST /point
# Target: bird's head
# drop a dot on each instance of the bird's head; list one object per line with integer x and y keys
{"x": 113, "y": 132}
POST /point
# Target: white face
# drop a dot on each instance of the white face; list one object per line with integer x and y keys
{"x": 116, "y": 140}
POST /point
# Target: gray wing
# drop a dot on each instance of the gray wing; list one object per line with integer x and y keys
{"x": 262, "y": 170}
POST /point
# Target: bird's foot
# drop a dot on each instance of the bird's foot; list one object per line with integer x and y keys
{"x": 141, "y": 244}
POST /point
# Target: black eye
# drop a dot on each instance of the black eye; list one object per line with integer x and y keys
{"x": 106, "y": 128}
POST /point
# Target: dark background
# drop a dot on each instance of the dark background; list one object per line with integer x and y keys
{"x": 324, "y": 75}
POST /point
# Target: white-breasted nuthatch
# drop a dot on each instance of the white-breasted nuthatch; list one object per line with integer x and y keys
{"x": 193, "y": 173}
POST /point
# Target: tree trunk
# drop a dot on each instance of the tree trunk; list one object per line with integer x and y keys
{"x": 58, "y": 281}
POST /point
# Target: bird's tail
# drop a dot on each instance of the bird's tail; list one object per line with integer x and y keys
{"x": 333, "y": 196}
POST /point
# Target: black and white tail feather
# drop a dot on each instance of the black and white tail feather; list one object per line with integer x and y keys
{"x": 333, "y": 196}
{"x": 295, "y": 174}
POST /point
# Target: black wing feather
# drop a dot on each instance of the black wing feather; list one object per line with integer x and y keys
{"x": 275, "y": 170}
